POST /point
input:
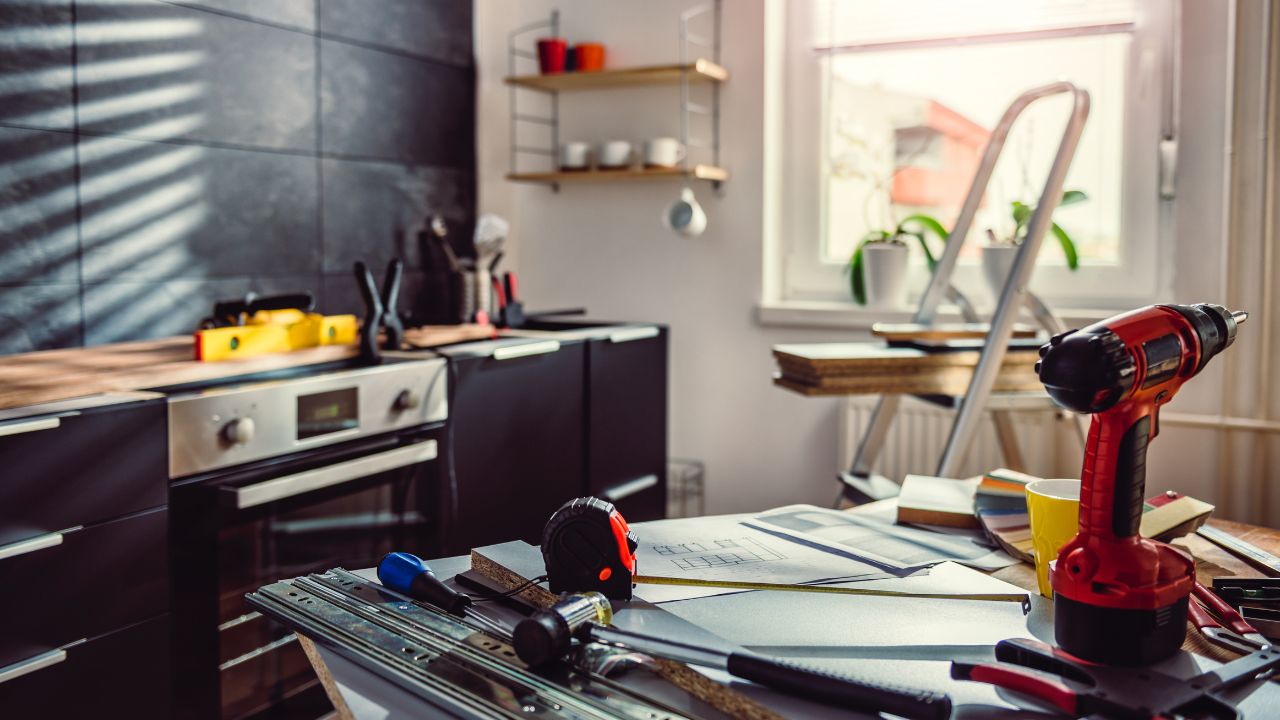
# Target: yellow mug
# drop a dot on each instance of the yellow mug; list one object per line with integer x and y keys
{"x": 1054, "y": 510}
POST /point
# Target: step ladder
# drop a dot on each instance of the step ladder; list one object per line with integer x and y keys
{"x": 860, "y": 484}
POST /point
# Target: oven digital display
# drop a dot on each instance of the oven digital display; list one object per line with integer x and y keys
{"x": 328, "y": 412}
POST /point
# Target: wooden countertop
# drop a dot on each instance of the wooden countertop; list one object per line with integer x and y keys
{"x": 52, "y": 375}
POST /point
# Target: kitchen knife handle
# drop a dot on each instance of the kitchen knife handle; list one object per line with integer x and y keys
{"x": 838, "y": 689}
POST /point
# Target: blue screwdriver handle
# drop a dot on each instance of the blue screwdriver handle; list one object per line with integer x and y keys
{"x": 408, "y": 574}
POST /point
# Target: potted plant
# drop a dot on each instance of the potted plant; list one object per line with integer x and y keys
{"x": 878, "y": 267}
{"x": 999, "y": 254}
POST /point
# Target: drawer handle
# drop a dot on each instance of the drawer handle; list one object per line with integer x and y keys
{"x": 630, "y": 334}
{"x": 630, "y": 487}
{"x": 32, "y": 664}
{"x": 518, "y": 351}
{"x": 30, "y": 545}
{"x": 330, "y": 475}
{"x": 29, "y": 426}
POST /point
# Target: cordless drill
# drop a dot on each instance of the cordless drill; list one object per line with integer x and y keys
{"x": 1119, "y": 598}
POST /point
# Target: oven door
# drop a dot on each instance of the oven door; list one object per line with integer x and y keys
{"x": 343, "y": 506}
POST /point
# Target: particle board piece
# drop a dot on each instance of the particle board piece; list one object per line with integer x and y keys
{"x": 719, "y": 696}
{"x": 428, "y": 336}
{"x": 874, "y": 369}
{"x": 340, "y": 708}
{"x": 898, "y": 332}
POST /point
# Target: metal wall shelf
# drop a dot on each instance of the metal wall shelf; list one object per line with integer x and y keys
{"x": 689, "y": 72}
{"x": 700, "y": 70}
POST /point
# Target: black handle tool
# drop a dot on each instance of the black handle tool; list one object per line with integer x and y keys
{"x": 549, "y": 634}
{"x": 380, "y": 310}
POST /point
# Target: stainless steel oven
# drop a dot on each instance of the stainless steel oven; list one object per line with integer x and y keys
{"x": 283, "y": 477}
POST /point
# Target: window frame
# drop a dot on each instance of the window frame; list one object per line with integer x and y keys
{"x": 801, "y": 276}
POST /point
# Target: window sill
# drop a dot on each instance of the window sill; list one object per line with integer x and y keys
{"x": 846, "y": 315}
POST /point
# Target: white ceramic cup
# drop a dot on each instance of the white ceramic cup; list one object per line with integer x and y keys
{"x": 575, "y": 156}
{"x": 614, "y": 154}
{"x": 685, "y": 216}
{"x": 663, "y": 152}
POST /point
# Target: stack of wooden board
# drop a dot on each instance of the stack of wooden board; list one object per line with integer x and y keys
{"x": 871, "y": 368}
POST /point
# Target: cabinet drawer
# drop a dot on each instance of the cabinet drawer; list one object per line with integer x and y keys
{"x": 96, "y": 580}
{"x": 627, "y": 423}
{"x": 122, "y": 674}
{"x": 516, "y": 427}
{"x": 81, "y": 467}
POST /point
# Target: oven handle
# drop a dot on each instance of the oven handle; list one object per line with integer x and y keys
{"x": 330, "y": 475}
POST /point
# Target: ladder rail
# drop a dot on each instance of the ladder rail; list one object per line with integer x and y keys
{"x": 1014, "y": 294}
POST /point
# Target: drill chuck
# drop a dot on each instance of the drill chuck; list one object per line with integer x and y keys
{"x": 1086, "y": 371}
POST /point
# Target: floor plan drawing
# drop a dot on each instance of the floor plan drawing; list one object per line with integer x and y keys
{"x": 717, "y": 553}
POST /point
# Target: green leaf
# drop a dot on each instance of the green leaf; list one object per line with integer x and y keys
{"x": 1021, "y": 214}
{"x": 1068, "y": 247}
{"x": 857, "y": 279}
{"x": 1071, "y": 197}
{"x": 932, "y": 225}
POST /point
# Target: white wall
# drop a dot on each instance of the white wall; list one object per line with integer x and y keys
{"x": 602, "y": 246}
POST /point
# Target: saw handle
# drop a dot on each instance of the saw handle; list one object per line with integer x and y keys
{"x": 837, "y": 689}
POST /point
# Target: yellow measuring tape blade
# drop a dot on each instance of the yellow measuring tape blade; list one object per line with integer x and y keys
{"x": 1021, "y": 598}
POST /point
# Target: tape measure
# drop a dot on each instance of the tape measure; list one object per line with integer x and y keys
{"x": 588, "y": 547}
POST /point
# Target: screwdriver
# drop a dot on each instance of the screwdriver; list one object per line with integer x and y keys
{"x": 409, "y": 575}
{"x": 548, "y": 635}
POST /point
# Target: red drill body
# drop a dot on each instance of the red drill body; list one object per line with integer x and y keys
{"x": 1120, "y": 598}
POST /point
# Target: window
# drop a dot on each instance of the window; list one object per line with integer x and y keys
{"x": 888, "y": 107}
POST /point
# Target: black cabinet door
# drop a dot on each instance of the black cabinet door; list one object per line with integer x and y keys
{"x": 81, "y": 468}
{"x": 516, "y": 445}
{"x": 123, "y": 674}
{"x": 97, "y": 579}
{"x": 627, "y": 423}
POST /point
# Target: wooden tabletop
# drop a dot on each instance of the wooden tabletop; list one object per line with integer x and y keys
{"x": 1211, "y": 561}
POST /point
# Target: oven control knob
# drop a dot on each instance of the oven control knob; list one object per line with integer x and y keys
{"x": 407, "y": 400}
{"x": 239, "y": 431}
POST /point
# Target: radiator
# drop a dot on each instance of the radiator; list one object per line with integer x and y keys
{"x": 919, "y": 433}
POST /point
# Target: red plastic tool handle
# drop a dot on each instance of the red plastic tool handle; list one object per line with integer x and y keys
{"x": 502, "y": 294}
{"x": 1226, "y": 615}
{"x": 1054, "y": 693}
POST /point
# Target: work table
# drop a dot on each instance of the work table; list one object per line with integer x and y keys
{"x": 905, "y": 644}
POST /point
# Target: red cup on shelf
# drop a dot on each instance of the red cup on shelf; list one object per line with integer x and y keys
{"x": 590, "y": 57}
{"x": 551, "y": 53}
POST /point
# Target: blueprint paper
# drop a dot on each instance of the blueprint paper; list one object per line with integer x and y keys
{"x": 722, "y": 548}
{"x": 875, "y": 537}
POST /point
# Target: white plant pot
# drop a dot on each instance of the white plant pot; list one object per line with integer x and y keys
{"x": 997, "y": 263}
{"x": 885, "y": 269}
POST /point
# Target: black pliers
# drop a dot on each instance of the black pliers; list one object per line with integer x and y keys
{"x": 1083, "y": 689}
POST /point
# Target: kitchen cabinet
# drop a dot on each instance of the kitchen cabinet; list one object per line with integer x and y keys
{"x": 121, "y": 674}
{"x": 580, "y": 410}
{"x": 80, "y": 462}
{"x": 626, "y": 420}
{"x": 516, "y": 448}
{"x": 84, "y": 556}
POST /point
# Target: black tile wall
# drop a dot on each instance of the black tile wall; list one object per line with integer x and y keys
{"x": 38, "y": 207}
{"x": 156, "y": 211}
{"x": 436, "y": 120}
{"x": 417, "y": 27}
{"x": 36, "y": 63}
{"x": 39, "y": 317}
{"x": 159, "y": 155}
{"x": 154, "y": 70}
{"x": 300, "y": 14}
